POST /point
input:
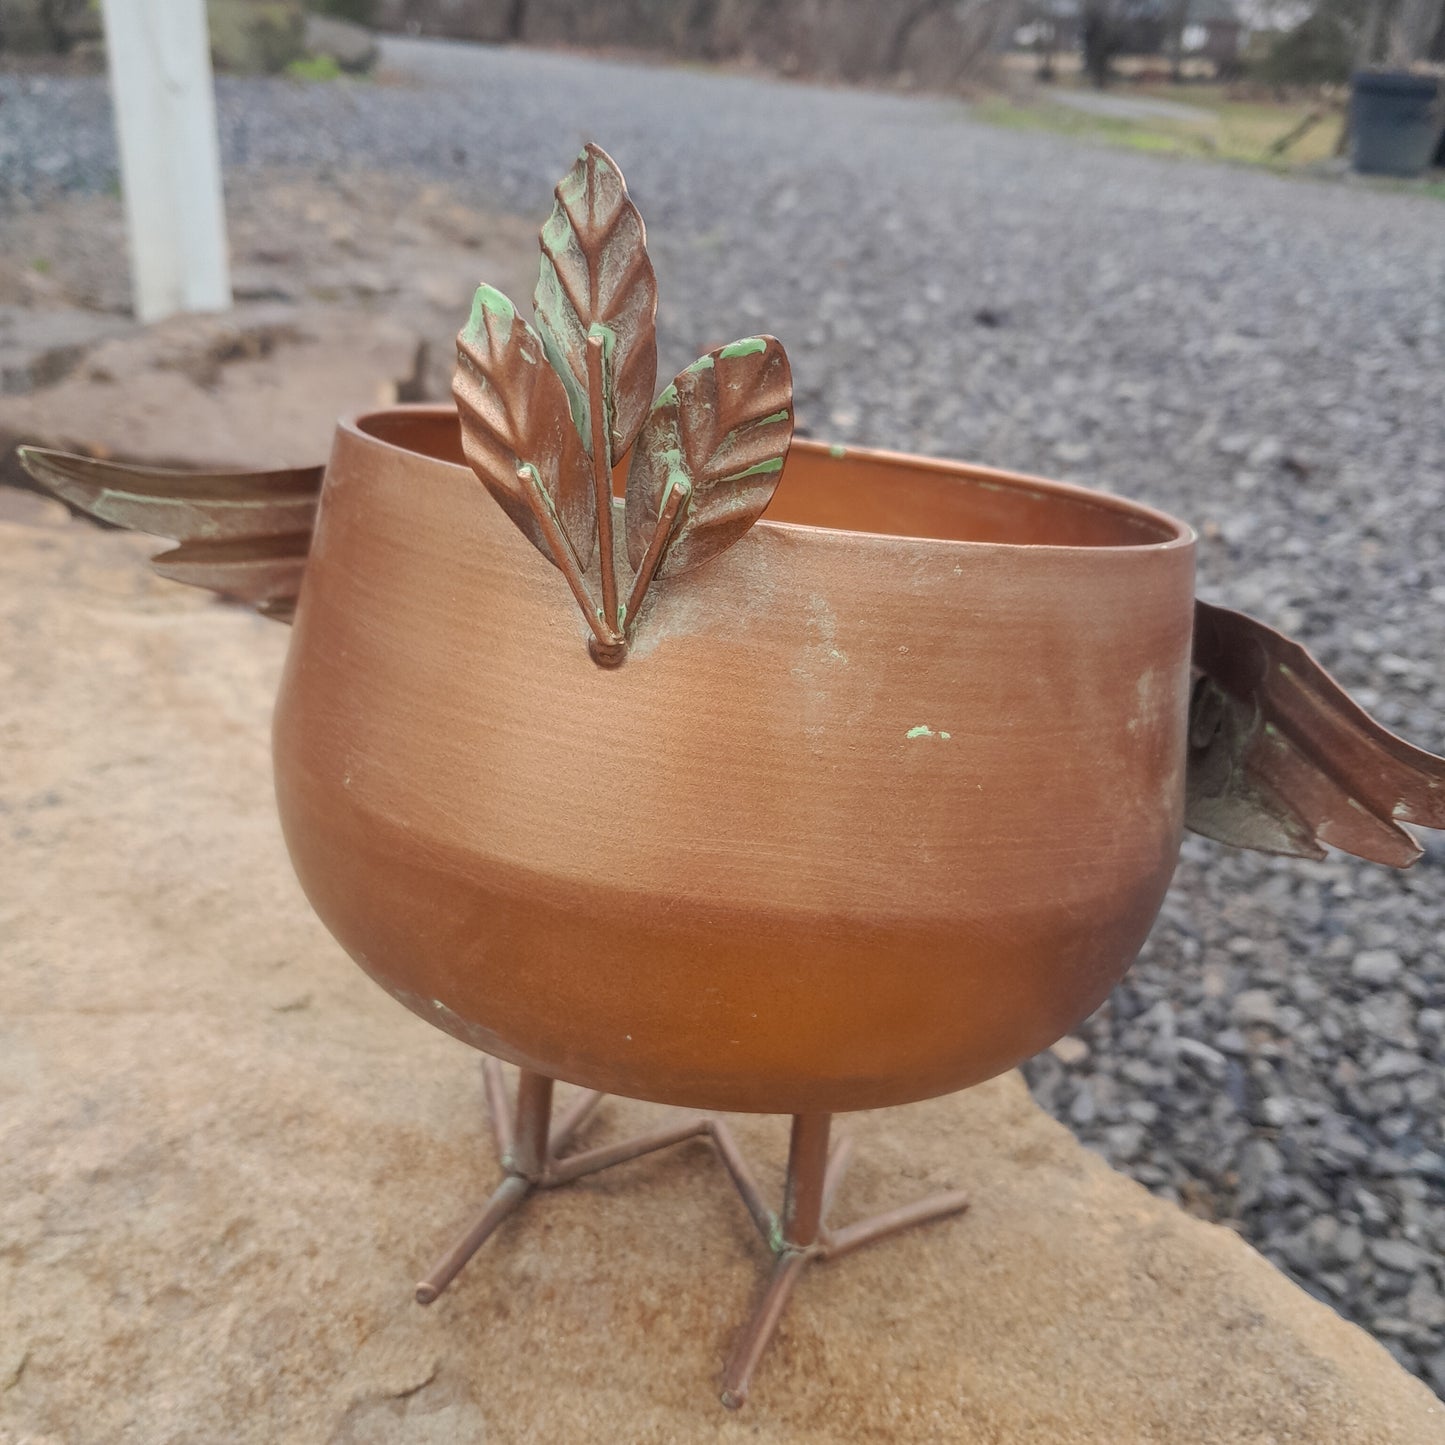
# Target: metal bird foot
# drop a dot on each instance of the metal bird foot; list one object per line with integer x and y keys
{"x": 531, "y": 1150}
{"x": 800, "y": 1236}
{"x": 533, "y": 1153}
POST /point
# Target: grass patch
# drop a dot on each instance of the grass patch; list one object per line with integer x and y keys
{"x": 314, "y": 67}
{"x": 1234, "y": 130}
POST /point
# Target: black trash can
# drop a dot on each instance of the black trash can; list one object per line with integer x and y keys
{"x": 1394, "y": 122}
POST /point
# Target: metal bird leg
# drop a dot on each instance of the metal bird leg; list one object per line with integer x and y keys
{"x": 532, "y": 1151}
{"x": 800, "y": 1236}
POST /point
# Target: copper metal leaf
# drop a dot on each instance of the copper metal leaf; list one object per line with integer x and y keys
{"x": 596, "y": 280}
{"x": 514, "y": 412}
{"x": 244, "y": 535}
{"x": 724, "y": 424}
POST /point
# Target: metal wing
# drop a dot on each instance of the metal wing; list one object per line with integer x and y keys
{"x": 244, "y": 535}
{"x": 1281, "y": 760}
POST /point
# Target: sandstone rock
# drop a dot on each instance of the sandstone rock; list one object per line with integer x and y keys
{"x": 264, "y": 384}
{"x": 39, "y": 347}
{"x": 352, "y": 47}
{"x": 227, "y": 1155}
{"x": 314, "y": 333}
{"x": 250, "y": 36}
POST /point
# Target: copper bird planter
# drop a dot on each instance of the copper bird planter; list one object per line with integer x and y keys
{"x": 857, "y": 804}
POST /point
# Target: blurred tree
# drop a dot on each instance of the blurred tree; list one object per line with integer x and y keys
{"x": 1107, "y": 27}
{"x": 1413, "y": 26}
{"x": 1340, "y": 36}
{"x": 1176, "y": 18}
{"x": 1321, "y": 49}
{"x": 977, "y": 23}
{"x": 69, "y": 20}
{"x": 935, "y": 42}
{"x": 1099, "y": 41}
{"x": 47, "y": 25}
{"x": 359, "y": 12}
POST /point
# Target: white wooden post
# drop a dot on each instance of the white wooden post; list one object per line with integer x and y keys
{"x": 170, "y": 165}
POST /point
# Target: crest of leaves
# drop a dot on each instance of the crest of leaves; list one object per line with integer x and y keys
{"x": 548, "y": 412}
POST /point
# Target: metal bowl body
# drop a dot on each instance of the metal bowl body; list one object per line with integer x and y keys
{"x": 884, "y": 800}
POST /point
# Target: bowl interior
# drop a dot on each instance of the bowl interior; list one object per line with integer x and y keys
{"x": 845, "y": 489}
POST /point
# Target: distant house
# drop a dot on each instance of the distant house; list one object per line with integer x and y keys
{"x": 1212, "y": 29}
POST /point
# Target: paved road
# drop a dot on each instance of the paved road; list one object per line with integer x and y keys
{"x": 1263, "y": 356}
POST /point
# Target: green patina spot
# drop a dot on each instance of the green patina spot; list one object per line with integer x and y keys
{"x": 750, "y": 347}
{"x": 556, "y": 230}
{"x": 837, "y": 452}
{"x": 608, "y": 337}
{"x": 574, "y": 183}
{"x": 774, "y": 464}
{"x": 676, "y": 477}
{"x": 667, "y": 397}
{"x": 552, "y": 301}
{"x": 776, "y": 416}
{"x": 921, "y": 731}
{"x": 488, "y": 301}
{"x": 703, "y": 363}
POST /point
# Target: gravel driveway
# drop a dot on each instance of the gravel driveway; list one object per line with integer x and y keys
{"x": 1265, "y": 357}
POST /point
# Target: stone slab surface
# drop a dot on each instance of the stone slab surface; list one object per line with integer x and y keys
{"x": 226, "y": 1155}
{"x": 349, "y": 292}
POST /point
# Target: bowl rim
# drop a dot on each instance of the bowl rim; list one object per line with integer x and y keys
{"x": 1177, "y": 535}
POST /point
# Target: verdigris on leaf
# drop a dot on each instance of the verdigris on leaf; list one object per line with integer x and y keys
{"x": 596, "y": 282}
{"x": 723, "y": 426}
{"x": 548, "y": 415}
{"x": 514, "y": 415}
